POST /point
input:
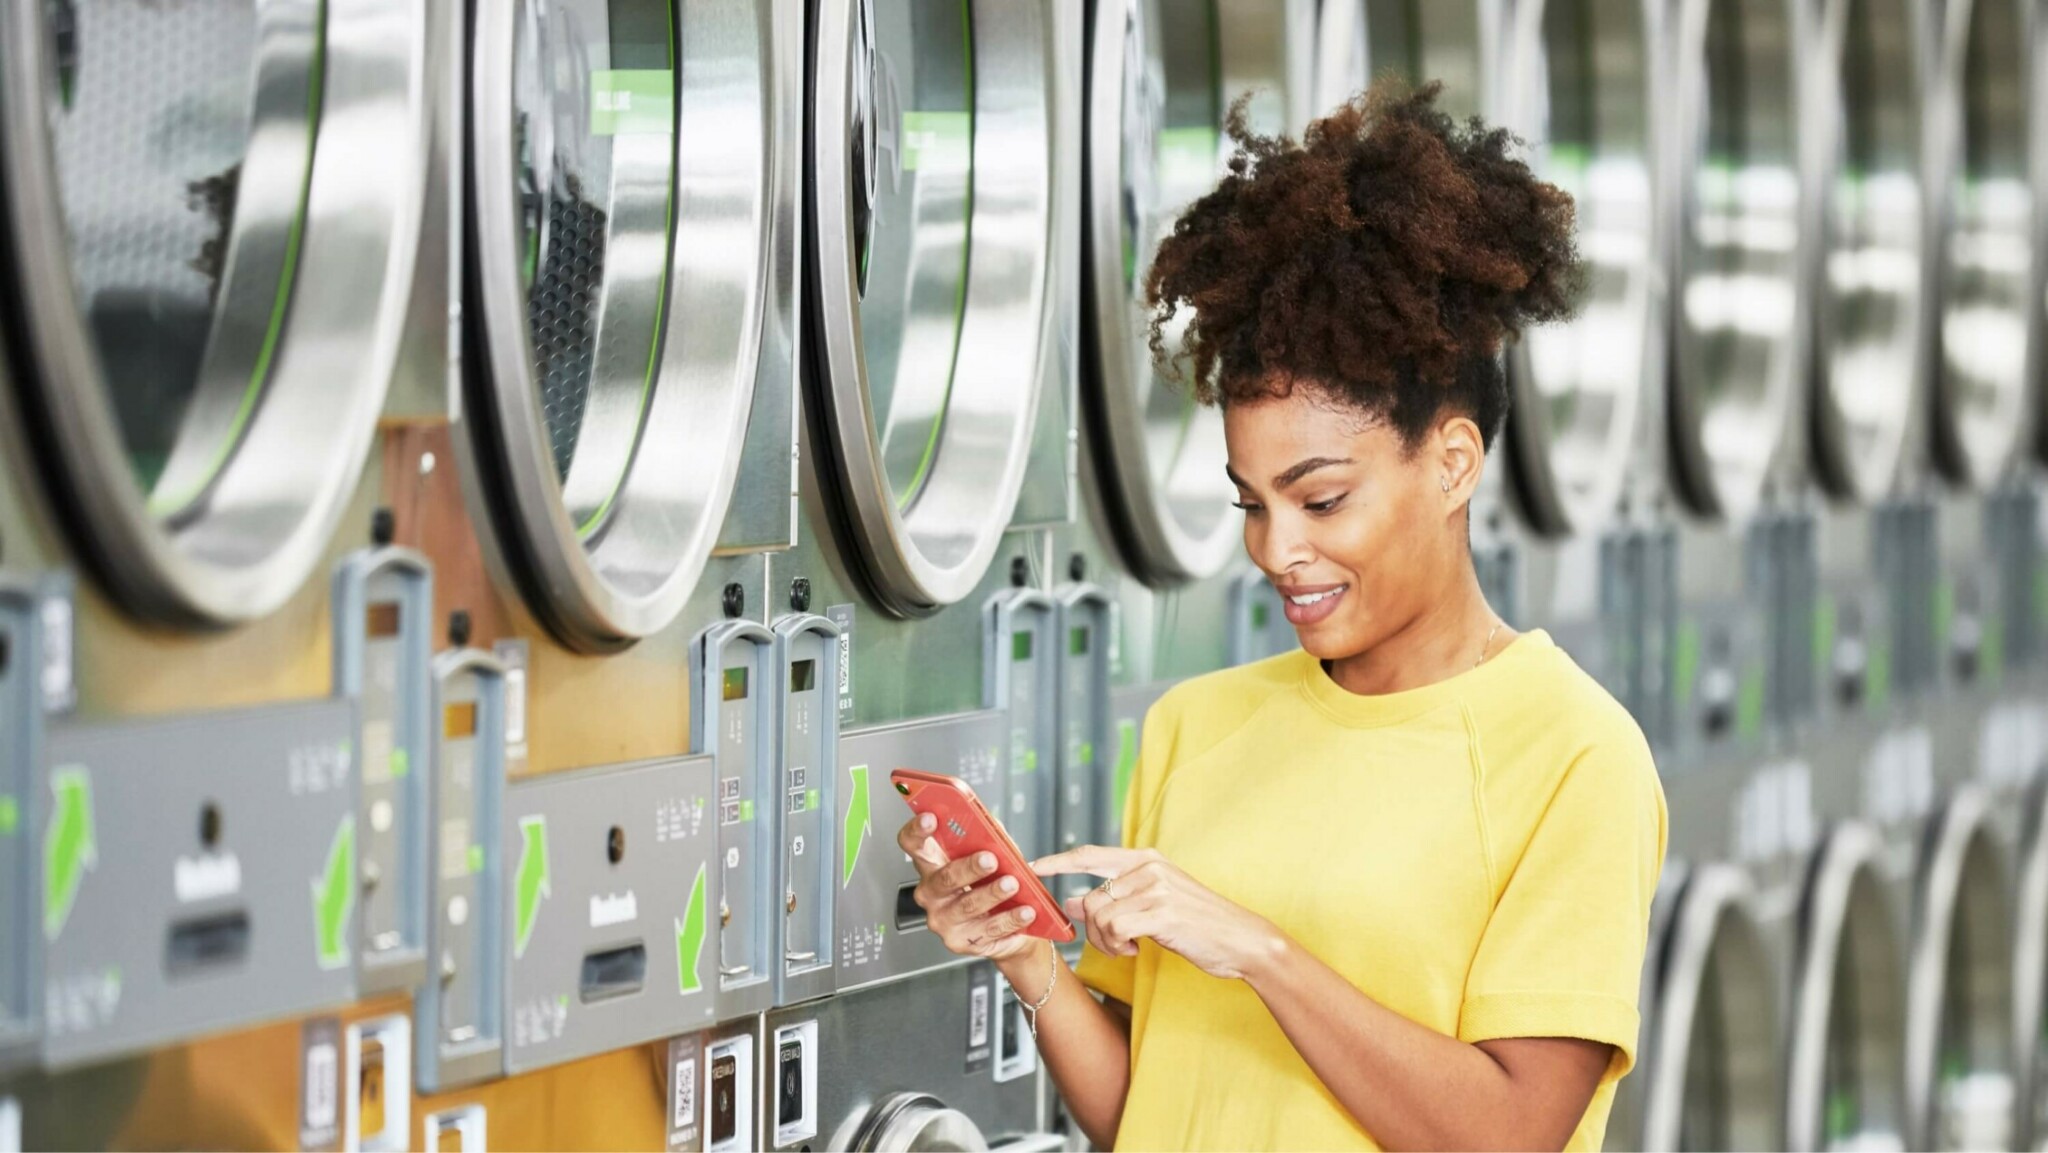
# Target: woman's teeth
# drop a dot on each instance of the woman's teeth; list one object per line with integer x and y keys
{"x": 1312, "y": 598}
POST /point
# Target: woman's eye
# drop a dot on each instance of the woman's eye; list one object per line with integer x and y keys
{"x": 1323, "y": 506}
{"x": 1246, "y": 506}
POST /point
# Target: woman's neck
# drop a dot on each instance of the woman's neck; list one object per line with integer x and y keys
{"x": 1449, "y": 638}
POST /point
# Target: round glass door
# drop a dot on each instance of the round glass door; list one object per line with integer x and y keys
{"x": 1161, "y": 77}
{"x": 1735, "y": 291}
{"x": 1990, "y": 303}
{"x": 1581, "y": 94}
{"x": 1848, "y": 1028}
{"x": 1868, "y": 282}
{"x": 930, "y": 261}
{"x": 207, "y": 201}
{"x": 621, "y": 200}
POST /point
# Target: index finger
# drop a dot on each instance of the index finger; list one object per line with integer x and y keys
{"x": 1095, "y": 860}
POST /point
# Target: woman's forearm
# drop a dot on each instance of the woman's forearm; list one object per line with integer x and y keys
{"x": 1407, "y": 1085}
{"x": 1085, "y": 1047}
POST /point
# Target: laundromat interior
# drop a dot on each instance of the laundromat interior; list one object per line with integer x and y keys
{"x": 471, "y": 462}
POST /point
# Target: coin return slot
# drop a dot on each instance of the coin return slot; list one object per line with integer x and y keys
{"x": 908, "y": 915}
{"x": 614, "y": 973}
{"x": 729, "y": 1095}
{"x": 796, "y": 1083}
{"x": 203, "y": 943}
{"x": 457, "y": 1131}
{"x": 380, "y": 1085}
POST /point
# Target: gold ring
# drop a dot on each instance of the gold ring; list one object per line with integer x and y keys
{"x": 1104, "y": 887}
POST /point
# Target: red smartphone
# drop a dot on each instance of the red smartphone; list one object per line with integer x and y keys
{"x": 965, "y": 827}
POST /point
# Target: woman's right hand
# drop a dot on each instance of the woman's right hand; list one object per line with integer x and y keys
{"x": 956, "y": 897}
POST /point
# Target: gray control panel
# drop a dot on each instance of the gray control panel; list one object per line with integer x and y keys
{"x": 733, "y": 690}
{"x": 808, "y": 861}
{"x": 383, "y": 603}
{"x": 21, "y": 716}
{"x": 199, "y": 875}
{"x": 881, "y": 931}
{"x": 1087, "y": 740}
{"x": 1021, "y": 678}
{"x": 614, "y": 922}
{"x": 459, "y": 1027}
{"x": 1258, "y": 623}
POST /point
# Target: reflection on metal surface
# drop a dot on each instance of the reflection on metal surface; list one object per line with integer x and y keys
{"x": 1735, "y": 300}
{"x": 214, "y": 214}
{"x": 621, "y": 188}
{"x": 916, "y": 1123}
{"x": 2030, "y": 973}
{"x": 929, "y": 255}
{"x": 1990, "y": 302}
{"x": 1161, "y": 77}
{"x": 1710, "y": 1054}
{"x": 1867, "y": 209}
{"x": 1959, "y": 1042}
{"x": 1582, "y": 94}
{"x": 1449, "y": 41}
{"x": 1848, "y": 1023}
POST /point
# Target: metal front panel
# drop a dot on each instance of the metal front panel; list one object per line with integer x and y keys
{"x": 806, "y": 821}
{"x": 1258, "y": 622}
{"x": 200, "y": 873}
{"x": 459, "y": 1029}
{"x": 733, "y": 675}
{"x": 383, "y": 605}
{"x": 205, "y": 201}
{"x": 1128, "y": 708}
{"x": 21, "y": 716}
{"x": 882, "y": 935}
{"x": 1022, "y": 679}
{"x": 911, "y": 1037}
{"x": 612, "y": 909}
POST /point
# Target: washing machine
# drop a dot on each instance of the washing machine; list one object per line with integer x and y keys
{"x": 217, "y": 233}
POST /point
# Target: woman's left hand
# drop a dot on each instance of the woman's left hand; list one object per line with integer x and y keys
{"x": 1148, "y": 896}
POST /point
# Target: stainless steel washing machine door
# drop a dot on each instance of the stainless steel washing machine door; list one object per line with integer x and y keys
{"x": 1581, "y": 91}
{"x": 932, "y": 141}
{"x": 1710, "y": 1063}
{"x": 1959, "y": 1017}
{"x": 1161, "y": 78}
{"x": 911, "y": 1123}
{"x": 212, "y": 215}
{"x": 1735, "y": 303}
{"x": 621, "y": 187}
{"x": 1451, "y": 41}
{"x": 1867, "y": 275}
{"x": 1845, "y": 1080}
{"x": 1990, "y": 310}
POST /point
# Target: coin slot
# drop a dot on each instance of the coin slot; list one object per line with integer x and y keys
{"x": 615, "y": 845}
{"x": 209, "y": 825}
{"x": 201, "y": 944}
{"x": 613, "y": 973}
{"x": 908, "y": 915}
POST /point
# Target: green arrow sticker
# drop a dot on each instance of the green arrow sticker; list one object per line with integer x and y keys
{"x": 690, "y": 934}
{"x": 334, "y": 894}
{"x": 1126, "y": 764}
{"x": 70, "y": 849}
{"x": 533, "y": 880}
{"x": 857, "y": 825}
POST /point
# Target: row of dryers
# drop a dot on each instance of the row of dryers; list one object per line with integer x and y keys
{"x": 493, "y": 488}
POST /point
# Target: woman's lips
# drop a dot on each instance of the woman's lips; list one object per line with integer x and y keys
{"x": 1322, "y": 601}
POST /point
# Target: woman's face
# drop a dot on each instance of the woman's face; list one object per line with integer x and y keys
{"x": 1356, "y": 532}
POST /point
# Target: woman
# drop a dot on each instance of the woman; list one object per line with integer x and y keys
{"x": 1392, "y": 889}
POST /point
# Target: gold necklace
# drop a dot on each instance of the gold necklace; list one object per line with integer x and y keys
{"x": 1488, "y": 645}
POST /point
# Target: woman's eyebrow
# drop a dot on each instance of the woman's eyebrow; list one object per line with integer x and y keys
{"x": 1299, "y": 470}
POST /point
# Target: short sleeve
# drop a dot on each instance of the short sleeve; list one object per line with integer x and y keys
{"x": 1562, "y": 954}
{"x": 1117, "y": 977}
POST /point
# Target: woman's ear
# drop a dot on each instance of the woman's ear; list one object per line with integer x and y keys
{"x": 1461, "y": 457}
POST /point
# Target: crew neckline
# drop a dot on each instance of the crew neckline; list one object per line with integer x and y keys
{"x": 1377, "y": 709}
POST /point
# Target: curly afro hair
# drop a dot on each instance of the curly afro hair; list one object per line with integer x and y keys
{"x": 1383, "y": 261}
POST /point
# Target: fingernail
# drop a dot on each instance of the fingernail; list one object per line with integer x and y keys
{"x": 927, "y": 822}
{"x": 1026, "y": 916}
{"x": 986, "y": 860}
{"x": 1007, "y": 885}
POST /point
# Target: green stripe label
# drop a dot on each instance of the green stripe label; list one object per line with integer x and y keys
{"x": 632, "y": 101}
